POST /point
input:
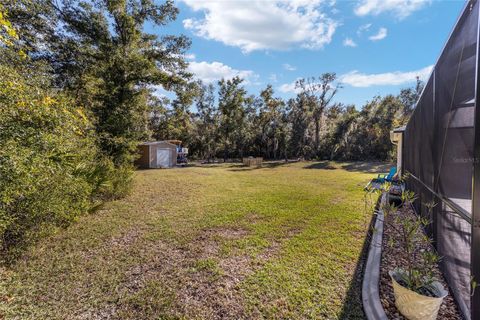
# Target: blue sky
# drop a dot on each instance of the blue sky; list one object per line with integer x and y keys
{"x": 376, "y": 47}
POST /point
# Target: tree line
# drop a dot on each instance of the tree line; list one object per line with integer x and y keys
{"x": 224, "y": 121}
{"x": 78, "y": 86}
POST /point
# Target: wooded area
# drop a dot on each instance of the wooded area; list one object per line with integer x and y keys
{"x": 227, "y": 122}
{"x": 78, "y": 82}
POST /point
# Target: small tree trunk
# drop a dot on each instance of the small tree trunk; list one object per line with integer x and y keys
{"x": 225, "y": 153}
{"x": 275, "y": 147}
{"x": 317, "y": 135}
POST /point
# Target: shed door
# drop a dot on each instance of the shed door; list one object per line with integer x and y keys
{"x": 164, "y": 157}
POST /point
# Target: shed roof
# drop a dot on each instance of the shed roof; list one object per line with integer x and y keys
{"x": 149, "y": 143}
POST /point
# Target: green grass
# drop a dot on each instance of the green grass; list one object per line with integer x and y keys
{"x": 205, "y": 242}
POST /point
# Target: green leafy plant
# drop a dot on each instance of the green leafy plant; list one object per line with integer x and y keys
{"x": 474, "y": 285}
{"x": 50, "y": 167}
{"x": 370, "y": 199}
{"x": 417, "y": 272}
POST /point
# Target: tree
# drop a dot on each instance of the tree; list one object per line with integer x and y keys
{"x": 232, "y": 98}
{"x": 317, "y": 95}
{"x": 243, "y": 134}
{"x": 341, "y": 136}
{"x": 49, "y": 165}
{"x": 182, "y": 117}
{"x": 284, "y": 130}
{"x": 207, "y": 122}
{"x": 76, "y": 95}
{"x": 371, "y": 137}
{"x": 101, "y": 56}
{"x": 409, "y": 97}
{"x": 271, "y": 122}
{"x": 130, "y": 61}
{"x": 300, "y": 117}
{"x": 36, "y": 20}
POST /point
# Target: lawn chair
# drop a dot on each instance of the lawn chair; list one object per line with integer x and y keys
{"x": 377, "y": 182}
{"x": 387, "y": 178}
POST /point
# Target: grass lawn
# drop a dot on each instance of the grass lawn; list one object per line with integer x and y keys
{"x": 206, "y": 242}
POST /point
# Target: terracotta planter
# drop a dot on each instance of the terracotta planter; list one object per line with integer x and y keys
{"x": 415, "y": 306}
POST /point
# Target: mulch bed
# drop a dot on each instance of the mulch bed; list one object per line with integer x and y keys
{"x": 393, "y": 256}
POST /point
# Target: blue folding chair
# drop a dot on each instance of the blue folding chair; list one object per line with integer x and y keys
{"x": 389, "y": 177}
{"x": 381, "y": 179}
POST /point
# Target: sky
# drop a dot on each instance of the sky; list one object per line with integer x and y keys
{"x": 376, "y": 47}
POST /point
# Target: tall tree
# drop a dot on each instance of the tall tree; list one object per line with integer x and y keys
{"x": 36, "y": 20}
{"x": 232, "y": 97}
{"x": 182, "y": 117}
{"x": 271, "y": 121}
{"x": 284, "y": 129}
{"x": 100, "y": 54}
{"x": 49, "y": 167}
{"x": 318, "y": 94}
{"x": 341, "y": 137}
{"x": 409, "y": 97}
{"x": 300, "y": 116}
{"x": 207, "y": 122}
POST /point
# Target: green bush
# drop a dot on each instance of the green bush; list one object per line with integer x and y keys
{"x": 51, "y": 166}
{"x": 47, "y": 159}
{"x": 110, "y": 181}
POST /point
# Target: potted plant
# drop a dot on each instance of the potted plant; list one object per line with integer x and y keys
{"x": 418, "y": 294}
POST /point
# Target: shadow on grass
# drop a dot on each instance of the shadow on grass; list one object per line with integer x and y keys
{"x": 325, "y": 165}
{"x": 368, "y": 167}
{"x": 265, "y": 165}
{"x": 353, "y": 306}
{"x": 360, "y": 166}
{"x": 210, "y": 165}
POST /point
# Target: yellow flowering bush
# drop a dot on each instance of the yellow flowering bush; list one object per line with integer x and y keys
{"x": 51, "y": 170}
{"x": 48, "y": 169}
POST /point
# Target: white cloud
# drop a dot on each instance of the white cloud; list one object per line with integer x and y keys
{"x": 289, "y": 67}
{"x": 190, "y": 56}
{"x": 362, "y": 80}
{"x": 400, "y": 8}
{"x": 159, "y": 91}
{"x": 213, "y": 71}
{"x": 363, "y": 28}
{"x": 273, "y": 77}
{"x": 288, "y": 88}
{"x": 348, "y": 42}
{"x": 381, "y": 34}
{"x": 263, "y": 25}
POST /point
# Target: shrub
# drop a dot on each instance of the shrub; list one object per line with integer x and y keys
{"x": 51, "y": 169}
{"x": 47, "y": 158}
{"x": 110, "y": 181}
{"x": 416, "y": 272}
